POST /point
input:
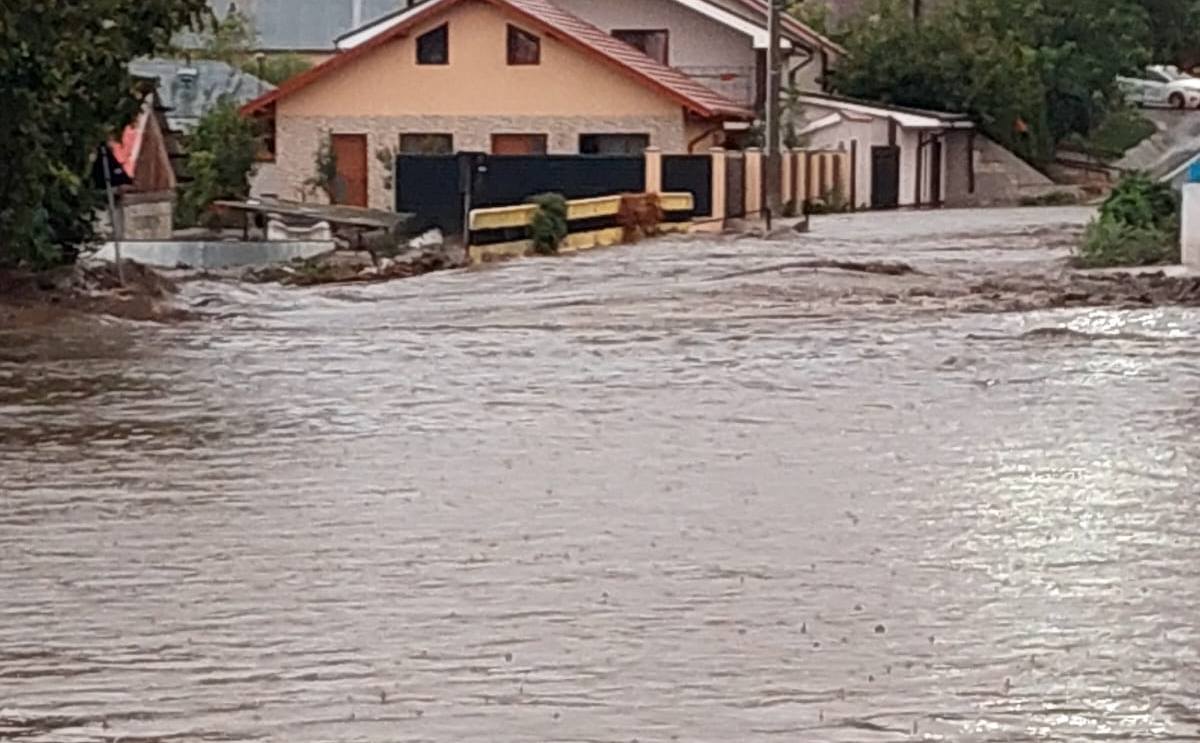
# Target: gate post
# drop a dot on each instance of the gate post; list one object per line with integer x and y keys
{"x": 754, "y": 183}
{"x": 715, "y": 222}
{"x": 788, "y": 161}
{"x": 654, "y": 170}
{"x": 801, "y": 180}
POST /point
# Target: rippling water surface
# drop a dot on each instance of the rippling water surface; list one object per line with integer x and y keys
{"x": 632, "y": 495}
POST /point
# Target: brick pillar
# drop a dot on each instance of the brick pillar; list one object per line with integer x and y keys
{"x": 801, "y": 178}
{"x": 715, "y": 222}
{"x": 788, "y": 161}
{"x": 843, "y": 177}
{"x": 653, "y": 157}
{"x": 754, "y": 183}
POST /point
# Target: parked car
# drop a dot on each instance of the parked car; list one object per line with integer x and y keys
{"x": 1161, "y": 85}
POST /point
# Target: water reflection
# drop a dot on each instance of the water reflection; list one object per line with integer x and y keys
{"x": 609, "y": 497}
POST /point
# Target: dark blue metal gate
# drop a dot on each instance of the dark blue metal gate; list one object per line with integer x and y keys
{"x": 434, "y": 187}
{"x": 691, "y": 174}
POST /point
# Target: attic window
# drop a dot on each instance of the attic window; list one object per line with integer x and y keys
{"x": 523, "y": 47}
{"x": 433, "y": 48}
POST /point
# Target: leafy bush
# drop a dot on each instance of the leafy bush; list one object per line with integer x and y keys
{"x": 221, "y": 156}
{"x": 1109, "y": 243}
{"x": 1119, "y": 131}
{"x": 548, "y": 228}
{"x": 1138, "y": 226}
{"x": 277, "y": 69}
{"x": 325, "y": 169}
{"x": 1139, "y": 201}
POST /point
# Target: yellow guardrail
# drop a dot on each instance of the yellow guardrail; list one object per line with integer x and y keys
{"x": 510, "y": 217}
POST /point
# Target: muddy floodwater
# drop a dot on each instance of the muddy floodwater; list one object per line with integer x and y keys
{"x": 682, "y": 491}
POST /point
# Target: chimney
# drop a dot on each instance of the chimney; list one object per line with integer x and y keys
{"x": 184, "y": 91}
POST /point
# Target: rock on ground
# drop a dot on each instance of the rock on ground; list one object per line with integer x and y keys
{"x": 345, "y": 266}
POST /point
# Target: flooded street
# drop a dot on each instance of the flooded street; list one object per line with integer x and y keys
{"x": 680, "y": 491}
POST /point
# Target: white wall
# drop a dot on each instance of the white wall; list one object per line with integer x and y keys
{"x": 696, "y": 41}
{"x": 874, "y": 133}
{"x": 867, "y": 134}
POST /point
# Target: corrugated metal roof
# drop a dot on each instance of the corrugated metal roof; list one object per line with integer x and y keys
{"x": 305, "y": 25}
{"x": 189, "y": 89}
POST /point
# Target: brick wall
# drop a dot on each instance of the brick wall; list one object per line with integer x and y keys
{"x": 297, "y": 139}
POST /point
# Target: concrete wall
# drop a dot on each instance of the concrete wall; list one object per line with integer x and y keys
{"x": 172, "y": 254}
{"x": 149, "y": 220}
{"x": 958, "y": 156}
{"x": 873, "y": 132}
{"x": 267, "y": 181}
{"x": 1003, "y": 178}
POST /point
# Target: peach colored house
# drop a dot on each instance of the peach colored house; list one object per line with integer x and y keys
{"x": 498, "y": 76}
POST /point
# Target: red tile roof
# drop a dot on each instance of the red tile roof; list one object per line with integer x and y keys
{"x": 126, "y": 150}
{"x": 563, "y": 26}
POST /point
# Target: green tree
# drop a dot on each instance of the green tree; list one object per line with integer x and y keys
{"x": 277, "y": 68}
{"x": 1029, "y": 71}
{"x": 1173, "y": 31}
{"x": 228, "y": 39}
{"x": 221, "y": 155}
{"x": 65, "y": 94}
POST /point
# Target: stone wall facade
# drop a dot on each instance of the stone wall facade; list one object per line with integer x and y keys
{"x": 298, "y": 137}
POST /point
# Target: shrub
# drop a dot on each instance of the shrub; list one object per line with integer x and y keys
{"x": 1138, "y": 226}
{"x": 277, "y": 69}
{"x": 548, "y": 227}
{"x": 325, "y": 169}
{"x": 1107, "y": 243}
{"x": 221, "y": 158}
{"x": 1140, "y": 201}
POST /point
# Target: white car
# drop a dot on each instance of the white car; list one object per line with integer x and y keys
{"x": 1162, "y": 86}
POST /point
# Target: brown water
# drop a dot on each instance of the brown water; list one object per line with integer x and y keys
{"x": 633, "y": 495}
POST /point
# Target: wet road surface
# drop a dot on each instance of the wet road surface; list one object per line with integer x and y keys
{"x": 658, "y": 493}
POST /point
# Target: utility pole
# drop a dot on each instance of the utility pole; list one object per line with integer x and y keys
{"x": 774, "y": 143}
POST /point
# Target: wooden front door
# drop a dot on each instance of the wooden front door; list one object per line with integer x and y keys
{"x": 518, "y": 144}
{"x": 351, "y": 153}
